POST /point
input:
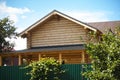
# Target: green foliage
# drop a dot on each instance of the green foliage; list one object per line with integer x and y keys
{"x": 7, "y": 30}
{"x": 45, "y": 69}
{"x": 105, "y": 57}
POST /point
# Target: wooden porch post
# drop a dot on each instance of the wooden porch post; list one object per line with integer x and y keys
{"x": 19, "y": 59}
{"x": 60, "y": 58}
{"x": 12, "y": 61}
{"x": 83, "y": 56}
{"x": 39, "y": 56}
{"x": 0, "y": 60}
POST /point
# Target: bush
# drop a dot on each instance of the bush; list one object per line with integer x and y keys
{"x": 45, "y": 69}
{"x": 105, "y": 57}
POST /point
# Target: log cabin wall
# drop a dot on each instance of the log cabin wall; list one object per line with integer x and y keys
{"x": 57, "y": 31}
{"x": 29, "y": 40}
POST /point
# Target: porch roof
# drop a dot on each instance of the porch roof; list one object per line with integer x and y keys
{"x": 53, "y": 48}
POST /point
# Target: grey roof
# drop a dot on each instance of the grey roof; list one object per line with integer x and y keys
{"x": 54, "y": 48}
{"x": 104, "y": 26}
{"x": 100, "y": 26}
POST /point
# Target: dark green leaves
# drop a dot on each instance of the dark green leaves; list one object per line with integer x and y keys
{"x": 45, "y": 69}
{"x": 105, "y": 56}
{"x": 7, "y": 30}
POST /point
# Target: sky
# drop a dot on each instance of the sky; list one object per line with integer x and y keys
{"x": 26, "y": 12}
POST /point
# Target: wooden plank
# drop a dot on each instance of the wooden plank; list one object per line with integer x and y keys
{"x": 54, "y": 32}
{"x": 60, "y": 58}
{"x": 0, "y": 60}
{"x": 39, "y": 56}
{"x": 19, "y": 59}
{"x": 83, "y": 57}
{"x": 12, "y": 61}
{"x": 29, "y": 40}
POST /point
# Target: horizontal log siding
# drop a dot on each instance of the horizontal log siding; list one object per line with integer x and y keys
{"x": 58, "y": 32}
{"x": 28, "y": 41}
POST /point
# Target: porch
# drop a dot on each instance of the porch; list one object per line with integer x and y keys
{"x": 74, "y": 54}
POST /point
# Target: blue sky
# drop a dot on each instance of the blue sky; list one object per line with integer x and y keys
{"x": 25, "y": 12}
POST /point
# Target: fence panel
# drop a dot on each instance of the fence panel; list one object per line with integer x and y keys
{"x": 13, "y": 73}
{"x": 73, "y": 72}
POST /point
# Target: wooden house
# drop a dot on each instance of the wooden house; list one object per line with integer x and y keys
{"x": 57, "y": 35}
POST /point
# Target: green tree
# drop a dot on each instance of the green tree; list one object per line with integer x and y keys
{"x": 105, "y": 57}
{"x": 45, "y": 69}
{"x": 7, "y": 30}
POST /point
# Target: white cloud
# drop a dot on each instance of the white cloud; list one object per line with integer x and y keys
{"x": 87, "y": 16}
{"x": 23, "y": 17}
{"x": 12, "y": 12}
{"x": 20, "y": 29}
{"x": 20, "y": 43}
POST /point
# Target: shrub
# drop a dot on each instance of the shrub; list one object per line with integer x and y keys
{"x": 45, "y": 69}
{"x": 105, "y": 57}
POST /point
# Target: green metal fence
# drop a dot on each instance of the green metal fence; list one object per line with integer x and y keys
{"x": 73, "y": 72}
{"x": 13, "y": 73}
